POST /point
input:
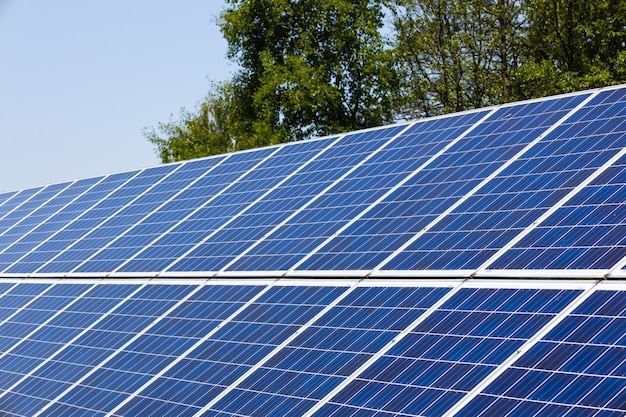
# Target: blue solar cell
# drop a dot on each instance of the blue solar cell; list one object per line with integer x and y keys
{"x": 232, "y": 350}
{"x": 90, "y": 211}
{"x": 358, "y": 191}
{"x": 106, "y": 376}
{"x": 324, "y": 354}
{"x": 447, "y": 354}
{"x": 588, "y": 231}
{"x": 26, "y": 207}
{"x": 89, "y": 242}
{"x": 209, "y": 217}
{"x": 5, "y": 197}
{"x": 25, "y": 234}
{"x": 222, "y": 248}
{"x": 47, "y": 330}
{"x": 389, "y": 224}
{"x": 141, "y": 222}
{"x": 302, "y": 190}
{"x": 65, "y": 227}
{"x": 579, "y": 368}
{"x": 514, "y": 127}
{"x": 77, "y": 326}
{"x": 15, "y": 201}
{"x": 187, "y": 204}
{"x": 509, "y": 203}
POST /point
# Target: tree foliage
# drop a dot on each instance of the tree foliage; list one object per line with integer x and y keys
{"x": 316, "y": 67}
{"x": 207, "y": 131}
{"x": 573, "y": 45}
{"x": 461, "y": 55}
{"x": 457, "y": 55}
{"x": 308, "y": 67}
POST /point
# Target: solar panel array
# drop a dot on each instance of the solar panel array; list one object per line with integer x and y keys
{"x": 314, "y": 348}
{"x": 526, "y": 189}
{"x": 331, "y": 235}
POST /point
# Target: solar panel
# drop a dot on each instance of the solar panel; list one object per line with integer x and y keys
{"x": 579, "y": 368}
{"x": 332, "y": 348}
{"x": 283, "y": 281}
{"x": 186, "y": 226}
{"x": 229, "y": 206}
{"x": 444, "y": 357}
{"x": 296, "y": 195}
{"x": 65, "y": 228}
{"x": 530, "y": 186}
{"x": 346, "y": 199}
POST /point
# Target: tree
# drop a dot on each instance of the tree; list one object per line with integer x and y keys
{"x": 317, "y": 67}
{"x": 457, "y": 55}
{"x": 574, "y": 45}
{"x": 203, "y": 132}
{"x": 307, "y": 68}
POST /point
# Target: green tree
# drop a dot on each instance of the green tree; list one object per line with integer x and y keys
{"x": 206, "y": 131}
{"x": 574, "y": 45}
{"x": 456, "y": 54}
{"x": 307, "y": 68}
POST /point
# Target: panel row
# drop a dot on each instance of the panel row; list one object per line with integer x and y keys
{"x": 532, "y": 188}
{"x": 293, "y": 349}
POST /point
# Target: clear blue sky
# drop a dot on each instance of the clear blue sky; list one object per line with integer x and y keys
{"x": 80, "y": 79}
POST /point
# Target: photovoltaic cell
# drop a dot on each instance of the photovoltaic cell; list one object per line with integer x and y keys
{"x": 110, "y": 218}
{"x": 327, "y": 352}
{"x": 85, "y": 235}
{"x": 24, "y": 235}
{"x": 410, "y": 208}
{"x": 447, "y": 354}
{"x": 5, "y": 197}
{"x": 67, "y": 226}
{"x": 266, "y": 215}
{"x": 577, "y": 369}
{"x": 135, "y": 226}
{"x": 33, "y": 352}
{"x": 293, "y": 237}
{"x": 159, "y": 343}
{"x": 185, "y": 227}
{"x": 66, "y": 347}
{"x": 237, "y": 199}
{"x": 349, "y": 198}
{"x": 26, "y": 207}
{"x": 231, "y": 351}
{"x": 513, "y": 200}
{"x": 587, "y": 232}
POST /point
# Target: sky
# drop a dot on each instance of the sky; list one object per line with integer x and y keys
{"x": 79, "y": 81}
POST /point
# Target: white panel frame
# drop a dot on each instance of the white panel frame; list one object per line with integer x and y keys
{"x": 618, "y": 270}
